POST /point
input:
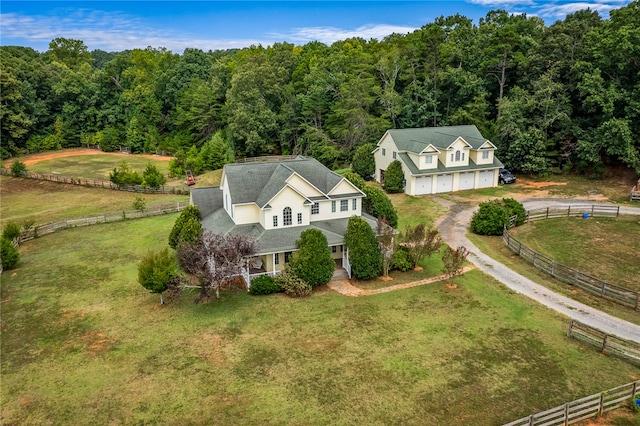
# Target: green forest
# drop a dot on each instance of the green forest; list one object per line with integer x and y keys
{"x": 562, "y": 97}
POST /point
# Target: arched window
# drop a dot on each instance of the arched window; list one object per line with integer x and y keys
{"x": 286, "y": 216}
{"x": 457, "y": 155}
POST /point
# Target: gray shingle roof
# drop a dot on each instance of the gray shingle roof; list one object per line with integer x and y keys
{"x": 208, "y": 199}
{"x": 442, "y": 169}
{"x": 281, "y": 239}
{"x": 260, "y": 182}
{"x": 416, "y": 140}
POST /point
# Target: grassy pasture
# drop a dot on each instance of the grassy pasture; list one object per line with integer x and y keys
{"x": 83, "y": 343}
{"x": 95, "y": 166}
{"x": 44, "y": 202}
{"x": 580, "y": 244}
{"x": 495, "y": 247}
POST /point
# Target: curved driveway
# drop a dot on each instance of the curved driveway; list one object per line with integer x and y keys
{"x": 453, "y": 229}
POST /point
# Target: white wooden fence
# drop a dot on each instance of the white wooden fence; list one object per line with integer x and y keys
{"x": 583, "y": 408}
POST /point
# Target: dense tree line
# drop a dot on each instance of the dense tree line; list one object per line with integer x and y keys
{"x": 564, "y": 96}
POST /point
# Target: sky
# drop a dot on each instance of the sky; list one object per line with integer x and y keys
{"x": 211, "y": 25}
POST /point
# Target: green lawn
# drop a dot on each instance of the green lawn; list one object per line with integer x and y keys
{"x": 83, "y": 343}
{"x": 43, "y": 202}
{"x": 580, "y": 244}
{"x": 495, "y": 247}
{"x": 97, "y": 166}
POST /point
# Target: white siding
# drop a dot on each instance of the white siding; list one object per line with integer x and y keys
{"x": 246, "y": 213}
{"x": 286, "y": 198}
{"x": 303, "y": 186}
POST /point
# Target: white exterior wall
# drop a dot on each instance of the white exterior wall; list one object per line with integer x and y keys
{"x": 286, "y": 198}
{"x": 458, "y": 145}
{"x": 303, "y": 186}
{"x": 227, "y": 201}
{"x": 246, "y": 213}
{"x": 383, "y": 161}
{"x": 476, "y": 156}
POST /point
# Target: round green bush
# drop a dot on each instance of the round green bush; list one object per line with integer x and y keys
{"x": 292, "y": 285}
{"x": 9, "y": 254}
{"x": 11, "y": 231}
{"x": 490, "y": 219}
{"x": 514, "y": 207}
{"x": 401, "y": 259}
{"x": 264, "y": 284}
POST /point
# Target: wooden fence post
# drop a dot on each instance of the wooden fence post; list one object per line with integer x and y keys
{"x": 566, "y": 414}
{"x": 604, "y": 343}
{"x": 569, "y": 211}
{"x": 570, "y": 328}
{"x": 547, "y": 213}
{"x": 603, "y": 289}
{"x": 601, "y": 407}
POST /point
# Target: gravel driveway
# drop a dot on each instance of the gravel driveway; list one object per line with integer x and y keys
{"x": 453, "y": 229}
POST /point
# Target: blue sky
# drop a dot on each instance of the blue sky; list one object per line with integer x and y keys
{"x": 120, "y": 25}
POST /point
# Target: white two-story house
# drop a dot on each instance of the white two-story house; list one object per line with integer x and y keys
{"x": 274, "y": 201}
{"x": 439, "y": 159}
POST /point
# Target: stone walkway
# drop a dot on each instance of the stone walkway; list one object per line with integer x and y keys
{"x": 344, "y": 286}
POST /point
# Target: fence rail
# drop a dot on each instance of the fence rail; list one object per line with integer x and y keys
{"x": 594, "y": 210}
{"x": 49, "y": 228}
{"x": 583, "y": 408}
{"x": 593, "y": 285}
{"x": 607, "y": 343}
{"x": 96, "y": 183}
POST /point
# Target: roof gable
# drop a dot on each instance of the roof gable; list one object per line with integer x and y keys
{"x": 259, "y": 182}
{"x": 417, "y": 139}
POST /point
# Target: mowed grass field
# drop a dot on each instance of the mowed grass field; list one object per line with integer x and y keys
{"x": 84, "y": 343}
{"x": 25, "y": 200}
{"x": 606, "y": 248}
{"x": 96, "y": 165}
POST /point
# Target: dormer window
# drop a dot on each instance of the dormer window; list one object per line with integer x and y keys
{"x": 428, "y": 159}
{"x": 286, "y": 216}
{"x": 485, "y": 155}
{"x": 458, "y": 155}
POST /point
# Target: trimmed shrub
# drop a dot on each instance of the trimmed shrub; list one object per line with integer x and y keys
{"x": 378, "y": 205}
{"x": 514, "y": 207}
{"x": 364, "y": 253}
{"x": 401, "y": 259}
{"x": 9, "y": 254}
{"x": 18, "y": 169}
{"x": 393, "y": 178}
{"x": 313, "y": 262}
{"x": 191, "y": 212}
{"x": 152, "y": 177}
{"x": 264, "y": 284}
{"x": 11, "y": 231}
{"x": 490, "y": 219}
{"x": 293, "y": 286}
{"x": 157, "y": 271}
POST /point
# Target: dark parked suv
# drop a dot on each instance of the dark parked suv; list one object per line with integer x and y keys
{"x": 505, "y": 176}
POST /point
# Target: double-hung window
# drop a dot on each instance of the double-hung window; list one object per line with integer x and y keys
{"x": 344, "y": 205}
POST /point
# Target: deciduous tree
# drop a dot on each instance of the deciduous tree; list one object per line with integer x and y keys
{"x": 420, "y": 241}
{"x": 214, "y": 259}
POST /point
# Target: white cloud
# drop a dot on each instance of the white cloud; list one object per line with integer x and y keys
{"x": 330, "y": 35}
{"x": 494, "y": 3}
{"x": 106, "y": 31}
{"x": 559, "y": 11}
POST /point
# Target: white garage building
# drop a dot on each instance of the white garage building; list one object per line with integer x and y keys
{"x": 439, "y": 159}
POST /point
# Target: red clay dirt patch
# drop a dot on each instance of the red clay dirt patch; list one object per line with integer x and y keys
{"x": 36, "y": 158}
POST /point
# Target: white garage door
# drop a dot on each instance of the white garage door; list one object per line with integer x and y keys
{"x": 485, "y": 179}
{"x": 423, "y": 185}
{"x": 444, "y": 183}
{"x": 466, "y": 180}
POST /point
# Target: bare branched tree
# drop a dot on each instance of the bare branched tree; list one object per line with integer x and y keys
{"x": 214, "y": 259}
